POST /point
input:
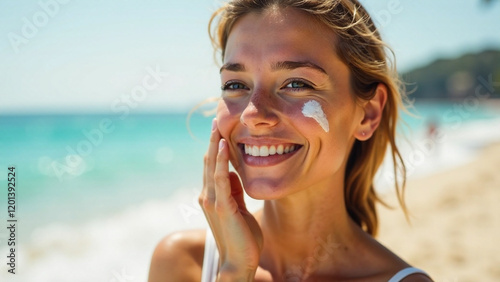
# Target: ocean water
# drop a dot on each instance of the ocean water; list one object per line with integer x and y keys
{"x": 76, "y": 167}
{"x": 95, "y": 193}
{"x": 459, "y": 130}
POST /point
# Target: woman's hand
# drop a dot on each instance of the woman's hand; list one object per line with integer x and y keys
{"x": 237, "y": 233}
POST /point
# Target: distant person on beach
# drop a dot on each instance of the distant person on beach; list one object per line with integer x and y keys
{"x": 433, "y": 137}
{"x": 309, "y": 106}
{"x": 432, "y": 127}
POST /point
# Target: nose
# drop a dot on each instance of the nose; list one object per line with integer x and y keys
{"x": 260, "y": 111}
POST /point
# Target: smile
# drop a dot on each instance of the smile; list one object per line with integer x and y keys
{"x": 264, "y": 151}
{"x": 267, "y": 155}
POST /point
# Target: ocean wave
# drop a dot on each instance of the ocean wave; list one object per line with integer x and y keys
{"x": 104, "y": 249}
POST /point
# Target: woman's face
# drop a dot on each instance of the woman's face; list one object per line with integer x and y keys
{"x": 275, "y": 62}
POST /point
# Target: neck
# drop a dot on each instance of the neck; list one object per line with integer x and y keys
{"x": 307, "y": 230}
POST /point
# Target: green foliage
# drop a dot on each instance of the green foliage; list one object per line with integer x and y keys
{"x": 455, "y": 78}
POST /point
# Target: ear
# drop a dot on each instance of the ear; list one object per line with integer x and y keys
{"x": 373, "y": 110}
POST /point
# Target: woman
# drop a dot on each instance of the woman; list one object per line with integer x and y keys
{"x": 309, "y": 105}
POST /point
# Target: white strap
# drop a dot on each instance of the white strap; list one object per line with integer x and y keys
{"x": 405, "y": 273}
{"x": 210, "y": 259}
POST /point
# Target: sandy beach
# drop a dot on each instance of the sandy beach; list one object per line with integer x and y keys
{"x": 455, "y": 221}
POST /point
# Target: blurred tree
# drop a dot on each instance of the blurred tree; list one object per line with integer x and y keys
{"x": 456, "y": 78}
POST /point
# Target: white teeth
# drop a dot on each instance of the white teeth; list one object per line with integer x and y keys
{"x": 279, "y": 150}
{"x": 255, "y": 151}
{"x": 264, "y": 151}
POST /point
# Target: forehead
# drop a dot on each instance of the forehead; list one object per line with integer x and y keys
{"x": 282, "y": 33}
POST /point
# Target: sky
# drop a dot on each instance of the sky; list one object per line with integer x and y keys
{"x": 75, "y": 56}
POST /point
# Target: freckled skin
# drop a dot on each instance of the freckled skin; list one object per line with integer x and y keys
{"x": 268, "y": 109}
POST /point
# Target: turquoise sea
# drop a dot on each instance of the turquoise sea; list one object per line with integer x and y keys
{"x": 94, "y": 189}
{"x": 70, "y": 168}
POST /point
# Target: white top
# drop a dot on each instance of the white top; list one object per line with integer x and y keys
{"x": 211, "y": 261}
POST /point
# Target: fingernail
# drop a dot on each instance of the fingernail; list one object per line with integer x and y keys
{"x": 221, "y": 144}
{"x": 214, "y": 124}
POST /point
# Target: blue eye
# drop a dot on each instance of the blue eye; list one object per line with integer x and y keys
{"x": 297, "y": 85}
{"x": 234, "y": 86}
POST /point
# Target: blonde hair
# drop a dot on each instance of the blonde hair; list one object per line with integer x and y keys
{"x": 360, "y": 47}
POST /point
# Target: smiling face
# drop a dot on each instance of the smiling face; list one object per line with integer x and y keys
{"x": 276, "y": 62}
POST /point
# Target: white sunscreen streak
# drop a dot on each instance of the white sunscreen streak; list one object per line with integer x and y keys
{"x": 313, "y": 110}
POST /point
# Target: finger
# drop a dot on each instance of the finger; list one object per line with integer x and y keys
{"x": 211, "y": 158}
{"x": 204, "y": 171}
{"x": 208, "y": 204}
{"x": 203, "y": 194}
{"x": 224, "y": 202}
{"x": 237, "y": 191}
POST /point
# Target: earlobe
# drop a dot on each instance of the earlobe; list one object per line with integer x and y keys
{"x": 373, "y": 110}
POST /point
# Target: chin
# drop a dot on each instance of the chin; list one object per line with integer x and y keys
{"x": 265, "y": 189}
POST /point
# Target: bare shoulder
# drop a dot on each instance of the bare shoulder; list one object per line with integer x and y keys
{"x": 178, "y": 257}
{"x": 390, "y": 263}
{"x": 397, "y": 264}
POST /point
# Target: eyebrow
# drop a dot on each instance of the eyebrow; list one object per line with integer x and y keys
{"x": 291, "y": 65}
{"x": 284, "y": 65}
{"x": 232, "y": 67}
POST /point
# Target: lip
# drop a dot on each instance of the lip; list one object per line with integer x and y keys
{"x": 270, "y": 160}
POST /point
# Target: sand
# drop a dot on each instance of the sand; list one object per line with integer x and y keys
{"x": 455, "y": 224}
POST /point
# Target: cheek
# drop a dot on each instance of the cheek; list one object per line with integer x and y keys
{"x": 227, "y": 115}
{"x": 313, "y": 109}
{"x": 306, "y": 120}
{"x": 335, "y": 137}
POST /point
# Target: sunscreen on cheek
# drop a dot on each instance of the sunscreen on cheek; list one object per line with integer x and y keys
{"x": 312, "y": 109}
